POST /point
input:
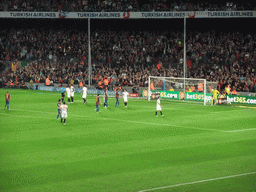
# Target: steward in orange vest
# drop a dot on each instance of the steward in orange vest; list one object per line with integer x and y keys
{"x": 200, "y": 87}
{"x": 100, "y": 85}
{"x": 81, "y": 84}
{"x": 47, "y": 81}
{"x": 106, "y": 82}
{"x": 152, "y": 86}
{"x": 120, "y": 88}
{"x": 234, "y": 92}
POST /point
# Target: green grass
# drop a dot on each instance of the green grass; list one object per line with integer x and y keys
{"x": 192, "y": 148}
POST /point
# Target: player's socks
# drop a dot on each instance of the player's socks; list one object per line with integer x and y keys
{"x": 61, "y": 120}
{"x": 69, "y": 100}
{"x": 57, "y": 117}
{"x": 156, "y": 113}
{"x": 161, "y": 113}
{"x": 72, "y": 99}
{"x": 64, "y": 120}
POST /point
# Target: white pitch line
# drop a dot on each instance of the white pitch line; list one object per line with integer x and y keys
{"x": 168, "y": 125}
{"x": 239, "y": 130}
{"x": 147, "y": 123}
{"x": 24, "y": 116}
{"x": 139, "y": 122}
{"x": 123, "y": 120}
{"x": 195, "y": 182}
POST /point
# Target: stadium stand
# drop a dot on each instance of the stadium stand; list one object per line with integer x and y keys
{"x": 128, "y": 59}
{"x": 123, "y": 57}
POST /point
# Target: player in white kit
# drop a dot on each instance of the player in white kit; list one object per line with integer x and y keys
{"x": 158, "y": 107}
{"x": 64, "y": 112}
{"x": 125, "y": 97}
{"x": 84, "y": 93}
{"x": 68, "y": 93}
{"x": 72, "y": 92}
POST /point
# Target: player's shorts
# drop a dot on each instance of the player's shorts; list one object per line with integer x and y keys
{"x": 64, "y": 114}
{"x": 84, "y": 96}
{"x": 158, "y": 108}
{"x": 7, "y": 102}
{"x": 62, "y": 94}
{"x": 125, "y": 100}
{"x": 68, "y": 95}
{"x": 72, "y": 94}
{"x": 59, "y": 111}
{"x": 214, "y": 98}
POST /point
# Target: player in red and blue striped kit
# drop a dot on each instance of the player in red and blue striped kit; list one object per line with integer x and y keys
{"x": 117, "y": 98}
{"x": 106, "y": 98}
{"x": 59, "y": 109}
{"x": 98, "y": 102}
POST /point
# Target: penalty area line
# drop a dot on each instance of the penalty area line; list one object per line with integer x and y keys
{"x": 195, "y": 182}
{"x": 129, "y": 121}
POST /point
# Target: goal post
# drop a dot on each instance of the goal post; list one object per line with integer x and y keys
{"x": 176, "y": 88}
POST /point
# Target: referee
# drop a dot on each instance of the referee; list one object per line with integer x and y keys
{"x": 62, "y": 90}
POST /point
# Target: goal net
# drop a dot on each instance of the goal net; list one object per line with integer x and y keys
{"x": 175, "y": 88}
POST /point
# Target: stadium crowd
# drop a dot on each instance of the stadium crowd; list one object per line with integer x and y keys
{"x": 120, "y": 5}
{"x": 127, "y": 58}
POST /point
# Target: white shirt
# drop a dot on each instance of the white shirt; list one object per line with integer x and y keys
{"x": 158, "y": 103}
{"x": 84, "y": 91}
{"x": 125, "y": 94}
{"x": 64, "y": 108}
{"x": 158, "y": 106}
{"x": 68, "y": 90}
{"x": 72, "y": 89}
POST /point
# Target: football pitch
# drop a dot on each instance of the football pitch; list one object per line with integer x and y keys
{"x": 191, "y": 148}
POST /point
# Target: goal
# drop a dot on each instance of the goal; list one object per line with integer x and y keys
{"x": 175, "y": 88}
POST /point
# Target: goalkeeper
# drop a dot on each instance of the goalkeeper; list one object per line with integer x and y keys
{"x": 214, "y": 96}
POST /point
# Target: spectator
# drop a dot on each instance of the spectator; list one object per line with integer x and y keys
{"x": 216, "y": 58}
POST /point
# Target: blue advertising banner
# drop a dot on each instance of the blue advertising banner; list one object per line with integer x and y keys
{"x": 77, "y": 90}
